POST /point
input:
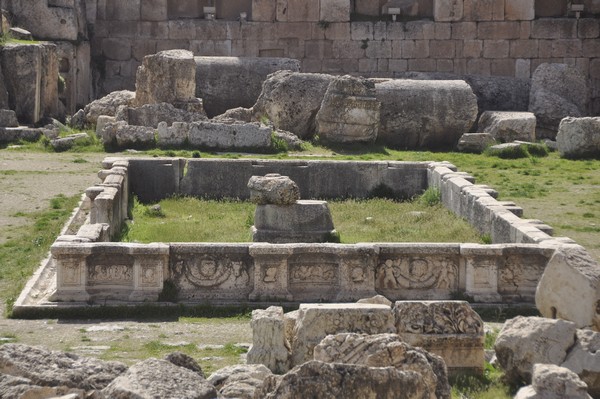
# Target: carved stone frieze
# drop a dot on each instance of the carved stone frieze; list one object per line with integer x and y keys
{"x": 437, "y": 317}
{"x": 417, "y": 273}
{"x": 110, "y": 270}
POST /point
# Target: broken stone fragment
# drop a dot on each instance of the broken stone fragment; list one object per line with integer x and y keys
{"x": 273, "y": 189}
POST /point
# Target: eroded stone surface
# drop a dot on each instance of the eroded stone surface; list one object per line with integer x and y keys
{"x": 584, "y": 359}
{"x": 475, "y": 142}
{"x": 525, "y": 341}
{"x": 273, "y": 189}
{"x": 269, "y": 344}
{"x": 240, "y": 381}
{"x": 107, "y": 105}
{"x": 385, "y": 350}
{"x": 508, "y": 126}
{"x": 578, "y": 137}
{"x": 553, "y": 382}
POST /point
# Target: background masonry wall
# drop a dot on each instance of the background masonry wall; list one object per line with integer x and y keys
{"x": 499, "y": 37}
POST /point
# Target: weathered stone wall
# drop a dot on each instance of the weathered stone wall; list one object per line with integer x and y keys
{"x": 500, "y": 38}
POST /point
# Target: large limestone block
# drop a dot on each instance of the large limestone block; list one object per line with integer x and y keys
{"x": 303, "y": 221}
{"x": 419, "y": 114}
{"x": 269, "y": 344}
{"x": 450, "y": 329}
{"x": 448, "y": 10}
{"x": 584, "y": 360}
{"x": 507, "y": 126}
{"x": 239, "y": 381}
{"x": 519, "y": 10}
{"x": 151, "y": 115}
{"x": 230, "y": 82}
{"x": 291, "y": 100}
{"x": 578, "y": 137}
{"x": 386, "y": 350}
{"x": 553, "y": 382}
{"x": 225, "y": 136}
{"x": 316, "y": 321}
{"x": 500, "y": 93}
{"x": 50, "y": 368}
{"x": 108, "y": 105}
{"x": 273, "y": 188}
{"x": 570, "y": 287}
{"x": 525, "y": 341}
{"x": 153, "y": 378}
{"x": 335, "y": 10}
{"x": 315, "y": 379}
{"x": 264, "y": 10}
{"x": 62, "y": 22}
{"x": 166, "y": 77}
{"x": 8, "y": 118}
{"x": 475, "y": 142}
{"x": 31, "y": 78}
{"x": 557, "y": 91}
{"x": 349, "y": 112}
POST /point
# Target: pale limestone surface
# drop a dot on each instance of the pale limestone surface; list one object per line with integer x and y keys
{"x": 239, "y": 381}
{"x": 584, "y": 359}
{"x": 578, "y": 137}
{"x": 376, "y": 300}
{"x": 303, "y": 221}
{"x": 107, "y": 105}
{"x": 349, "y": 111}
{"x": 417, "y": 114}
{"x": 448, "y": 10}
{"x": 151, "y": 115}
{"x": 168, "y": 76}
{"x": 570, "y": 287}
{"x": 269, "y": 344}
{"x": 316, "y": 321}
{"x": 525, "y": 341}
{"x": 385, "y": 350}
{"x": 159, "y": 378}
{"x": 519, "y": 10}
{"x": 450, "y": 329}
{"x": 335, "y": 11}
{"x": 291, "y": 100}
{"x": 273, "y": 188}
{"x": 475, "y": 142}
{"x": 222, "y": 136}
{"x": 557, "y": 91}
{"x": 507, "y": 126}
{"x": 553, "y": 382}
{"x": 315, "y": 379}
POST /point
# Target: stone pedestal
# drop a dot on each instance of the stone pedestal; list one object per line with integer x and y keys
{"x": 304, "y": 221}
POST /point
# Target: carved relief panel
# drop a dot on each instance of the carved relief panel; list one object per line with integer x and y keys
{"x": 520, "y": 274}
{"x": 70, "y": 271}
{"x": 417, "y": 277}
{"x": 108, "y": 269}
{"x": 313, "y": 276}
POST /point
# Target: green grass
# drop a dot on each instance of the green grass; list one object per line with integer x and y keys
{"x": 372, "y": 220}
{"x": 487, "y": 386}
{"x": 22, "y": 254}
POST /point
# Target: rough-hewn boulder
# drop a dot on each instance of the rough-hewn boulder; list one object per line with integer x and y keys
{"x": 525, "y": 341}
{"x": 240, "y": 381}
{"x": 584, "y": 360}
{"x": 52, "y": 369}
{"x": 570, "y": 287}
{"x": 349, "y": 112}
{"x": 230, "y": 82}
{"x": 153, "y": 378}
{"x": 507, "y": 126}
{"x": 273, "y": 189}
{"x": 166, "y": 77}
{"x": 557, "y": 91}
{"x": 579, "y": 137}
{"x": 321, "y": 380}
{"x": 386, "y": 350}
{"x": 21, "y": 388}
{"x": 107, "y": 105}
{"x": 291, "y": 100}
{"x": 187, "y": 362}
{"x": 122, "y": 135}
{"x": 475, "y": 142}
{"x": 553, "y": 382}
{"x": 425, "y": 114}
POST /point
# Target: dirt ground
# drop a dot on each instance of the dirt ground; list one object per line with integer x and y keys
{"x": 27, "y": 183}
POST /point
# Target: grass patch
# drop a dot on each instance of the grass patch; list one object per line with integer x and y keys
{"x": 487, "y": 386}
{"x": 21, "y": 255}
{"x": 373, "y": 220}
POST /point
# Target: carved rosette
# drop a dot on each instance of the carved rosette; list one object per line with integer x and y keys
{"x": 209, "y": 271}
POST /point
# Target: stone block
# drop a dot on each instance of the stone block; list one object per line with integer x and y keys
{"x": 8, "y": 118}
{"x": 264, "y": 10}
{"x": 498, "y": 30}
{"x": 230, "y": 136}
{"x": 173, "y": 136}
{"x": 450, "y": 329}
{"x": 349, "y": 112}
{"x": 269, "y": 344}
{"x": 551, "y": 381}
{"x": 168, "y": 76}
{"x": 447, "y": 10}
{"x": 116, "y": 49}
{"x": 570, "y": 288}
{"x": 303, "y": 221}
{"x": 495, "y": 48}
{"x": 554, "y": 28}
{"x": 584, "y": 359}
{"x": 153, "y": 10}
{"x": 550, "y": 8}
{"x": 484, "y": 10}
{"x": 316, "y": 321}
{"x": 588, "y": 28}
{"x": 519, "y": 10}
{"x": 302, "y": 10}
{"x": 273, "y": 189}
{"x": 49, "y": 23}
{"x": 475, "y": 142}
{"x": 123, "y": 10}
{"x": 335, "y": 10}
{"x": 507, "y": 126}
{"x": 464, "y": 30}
